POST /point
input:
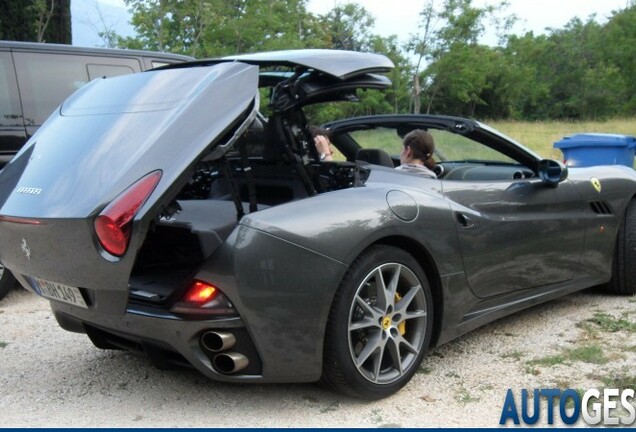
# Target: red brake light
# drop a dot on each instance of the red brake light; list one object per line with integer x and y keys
{"x": 200, "y": 292}
{"x": 202, "y": 299}
{"x": 113, "y": 225}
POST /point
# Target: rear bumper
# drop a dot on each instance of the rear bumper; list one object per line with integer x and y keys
{"x": 282, "y": 306}
{"x": 165, "y": 338}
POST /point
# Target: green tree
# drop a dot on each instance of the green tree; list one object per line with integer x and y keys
{"x": 619, "y": 51}
{"x": 348, "y": 27}
{"x": 422, "y": 44}
{"x": 570, "y": 52}
{"x": 458, "y": 79}
{"x": 204, "y": 28}
{"x": 571, "y": 73}
{"x": 458, "y": 66}
{"x": 36, "y": 20}
{"x": 397, "y": 96}
{"x": 463, "y": 23}
{"x": 53, "y": 21}
{"x": 583, "y": 70}
{"x": 580, "y": 82}
{"x": 16, "y": 21}
{"x": 169, "y": 25}
{"x": 521, "y": 90}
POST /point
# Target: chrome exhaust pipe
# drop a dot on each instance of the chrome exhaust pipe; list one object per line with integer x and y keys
{"x": 217, "y": 341}
{"x": 229, "y": 363}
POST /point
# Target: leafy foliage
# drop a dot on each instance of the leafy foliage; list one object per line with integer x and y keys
{"x": 348, "y": 27}
{"x": 36, "y": 20}
{"x": 204, "y": 28}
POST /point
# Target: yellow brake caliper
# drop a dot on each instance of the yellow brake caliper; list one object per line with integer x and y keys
{"x": 402, "y": 325}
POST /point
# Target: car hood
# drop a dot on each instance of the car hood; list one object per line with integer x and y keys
{"x": 114, "y": 131}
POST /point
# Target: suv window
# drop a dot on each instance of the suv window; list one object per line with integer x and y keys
{"x": 106, "y": 71}
{"x": 10, "y": 111}
{"x": 158, "y": 63}
{"x": 47, "y": 79}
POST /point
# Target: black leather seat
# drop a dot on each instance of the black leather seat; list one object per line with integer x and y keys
{"x": 375, "y": 157}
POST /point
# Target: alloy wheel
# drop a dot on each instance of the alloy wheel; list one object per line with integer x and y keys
{"x": 387, "y": 323}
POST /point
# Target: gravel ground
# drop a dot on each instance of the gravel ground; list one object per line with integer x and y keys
{"x": 49, "y": 377}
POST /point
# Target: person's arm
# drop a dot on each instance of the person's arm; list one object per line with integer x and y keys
{"x": 323, "y": 148}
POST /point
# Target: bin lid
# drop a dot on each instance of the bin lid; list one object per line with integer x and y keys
{"x": 596, "y": 140}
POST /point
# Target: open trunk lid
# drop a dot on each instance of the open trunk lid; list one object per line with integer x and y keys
{"x": 103, "y": 139}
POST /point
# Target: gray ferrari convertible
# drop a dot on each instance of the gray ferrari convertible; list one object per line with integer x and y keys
{"x": 163, "y": 212}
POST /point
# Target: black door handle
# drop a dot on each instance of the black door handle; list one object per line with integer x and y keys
{"x": 463, "y": 220}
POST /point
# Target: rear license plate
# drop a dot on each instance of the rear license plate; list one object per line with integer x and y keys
{"x": 57, "y": 291}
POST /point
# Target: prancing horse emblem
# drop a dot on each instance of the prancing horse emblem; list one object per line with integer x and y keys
{"x": 596, "y": 183}
{"x": 26, "y": 249}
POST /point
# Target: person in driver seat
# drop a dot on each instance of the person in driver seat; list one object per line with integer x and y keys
{"x": 322, "y": 141}
{"x": 417, "y": 154}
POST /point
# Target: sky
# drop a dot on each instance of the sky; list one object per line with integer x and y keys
{"x": 399, "y": 17}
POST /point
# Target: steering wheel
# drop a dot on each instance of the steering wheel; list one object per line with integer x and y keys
{"x": 439, "y": 170}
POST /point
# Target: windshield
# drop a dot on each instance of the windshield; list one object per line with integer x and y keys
{"x": 449, "y": 147}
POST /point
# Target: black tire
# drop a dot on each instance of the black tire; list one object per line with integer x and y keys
{"x": 7, "y": 282}
{"x": 623, "y": 280}
{"x": 375, "y": 343}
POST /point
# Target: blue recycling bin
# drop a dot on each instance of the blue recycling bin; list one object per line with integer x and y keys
{"x": 590, "y": 149}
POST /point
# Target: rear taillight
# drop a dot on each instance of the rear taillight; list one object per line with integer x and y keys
{"x": 114, "y": 224}
{"x": 203, "y": 298}
{"x": 200, "y": 293}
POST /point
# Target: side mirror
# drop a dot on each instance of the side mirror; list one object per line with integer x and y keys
{"x": 552, "y": 172}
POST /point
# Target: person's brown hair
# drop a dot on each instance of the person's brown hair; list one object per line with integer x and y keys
{"x": 421, "y": 144}
{"x": 315, "y": 131}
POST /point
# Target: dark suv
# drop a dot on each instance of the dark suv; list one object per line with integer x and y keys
{"x": 35, "y": 79}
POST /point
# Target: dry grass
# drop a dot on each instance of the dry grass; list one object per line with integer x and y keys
{"x": 541, "y": 136}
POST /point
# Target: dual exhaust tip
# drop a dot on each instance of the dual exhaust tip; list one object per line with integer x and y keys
{"x": 225, "y": 362}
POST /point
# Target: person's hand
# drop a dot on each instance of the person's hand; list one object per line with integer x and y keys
{"x": 323, "y": 147}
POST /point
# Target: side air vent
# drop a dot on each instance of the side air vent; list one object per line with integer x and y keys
{"x": 601, "y": 207}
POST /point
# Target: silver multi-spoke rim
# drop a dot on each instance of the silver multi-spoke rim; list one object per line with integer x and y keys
{"x": 387, "y": 323}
